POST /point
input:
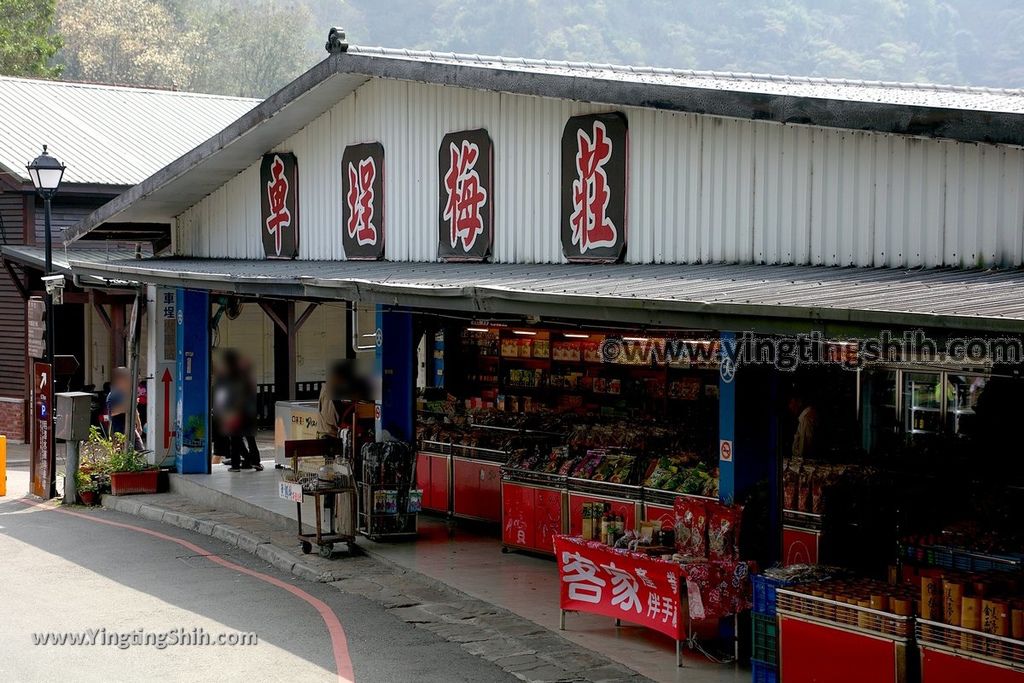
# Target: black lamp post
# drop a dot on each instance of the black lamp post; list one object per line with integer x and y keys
{"x": 46, "y": 173}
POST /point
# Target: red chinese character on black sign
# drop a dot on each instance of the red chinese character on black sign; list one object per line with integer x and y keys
{"x": 362, "y": 168}
{"x": 591, "y": 226}
{"x": 279, "y": 184}
{"x": 277, "y": 194}
{"x": 360, "y": 202}
{"x": 594, "y": 149}
{"x": 465, "y": 217}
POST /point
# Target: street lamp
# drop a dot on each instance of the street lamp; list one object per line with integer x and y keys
{"x": 46, "y": 173}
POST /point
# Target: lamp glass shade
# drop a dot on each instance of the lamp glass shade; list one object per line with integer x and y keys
{"x": 46, "y": 172}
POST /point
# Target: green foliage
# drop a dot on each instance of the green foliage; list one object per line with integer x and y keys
{"x": 104, "y": 455}
{"x": 253, "y": 47}
{"x": 27, "y": 42}
{"x": 84, "y": 482}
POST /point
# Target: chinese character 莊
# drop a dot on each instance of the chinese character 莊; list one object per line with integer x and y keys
{"x": 591, "y": 226}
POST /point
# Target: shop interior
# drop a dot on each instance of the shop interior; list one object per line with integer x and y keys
{"x": 524, "y": 430}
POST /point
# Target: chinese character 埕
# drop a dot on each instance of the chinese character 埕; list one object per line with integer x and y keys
{"x": 361, "y": 202}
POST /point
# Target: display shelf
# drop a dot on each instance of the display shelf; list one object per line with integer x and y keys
{"x": 971, "y": 643}
{"x": 852, "y": 617}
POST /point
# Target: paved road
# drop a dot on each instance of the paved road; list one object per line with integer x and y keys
{"x": 63, "y": 572}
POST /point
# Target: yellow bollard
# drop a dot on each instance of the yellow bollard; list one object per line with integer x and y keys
{"x": 3, "y": 465}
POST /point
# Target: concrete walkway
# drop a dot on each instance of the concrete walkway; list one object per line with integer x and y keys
{"x": 516, "y": 645}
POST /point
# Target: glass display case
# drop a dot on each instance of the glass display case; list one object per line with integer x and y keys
{"x": 918, "y": 402}
{"x": 922, "y": 402}
{"x": 962, "y": 394}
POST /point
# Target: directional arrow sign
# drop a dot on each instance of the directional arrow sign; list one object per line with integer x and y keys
{"x": 166, "y": 379}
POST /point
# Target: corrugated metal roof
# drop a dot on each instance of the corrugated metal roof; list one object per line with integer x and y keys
{"x": 35, "y": 257}
{"x": 106, "y": 135}
{"x": 950, "y": 112}
{"x": 952, "y": 299}
{"x": 878, "y": 92}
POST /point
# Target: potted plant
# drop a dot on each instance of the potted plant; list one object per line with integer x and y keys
{"x": 86, "y": 488}
{"x": 127, "y": 468}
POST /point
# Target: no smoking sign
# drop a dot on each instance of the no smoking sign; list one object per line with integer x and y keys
{"x": 725, "y": 450}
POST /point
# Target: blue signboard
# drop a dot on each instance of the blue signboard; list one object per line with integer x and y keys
{"x": 396, "y": 373}
{"x": 727, "y": 421}
{"x": 192, "y": 421}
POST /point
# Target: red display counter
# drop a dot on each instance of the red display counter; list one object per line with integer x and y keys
{"x": 665, "y": 514}
{"x": 824, "y": 640}
{"x": 532, "y": 515}
{"x": 477, "y": 489}
{"x": 433, "y": 477}
{"x": 799, "y": 546}
{"x": 952, "y": 655}
{"x": 628, "y": 510}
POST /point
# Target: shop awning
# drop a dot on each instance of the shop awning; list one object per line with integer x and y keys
{"x": 35, "y": 257}
{"x": 735, "y": 297}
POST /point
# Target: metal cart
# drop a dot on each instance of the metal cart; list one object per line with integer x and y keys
{"x": 342, "y": 496}
{"x": 389, "y": 501}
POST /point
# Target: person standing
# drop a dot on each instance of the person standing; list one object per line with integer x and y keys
{"x": 118, "y": 402}
{"x": 250, "y": 412}
{"x": 229, "y": 407}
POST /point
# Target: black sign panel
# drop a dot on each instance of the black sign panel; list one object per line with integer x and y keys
{"x": 42, "y": 465}
{"x": 465, "y": 165}
{"x": 594, "y": 161}
{"x": 279, "y": 198}
{"x": 362, "y": 184}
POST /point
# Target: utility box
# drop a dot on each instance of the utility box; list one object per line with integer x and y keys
{"x": 73, "y": 416}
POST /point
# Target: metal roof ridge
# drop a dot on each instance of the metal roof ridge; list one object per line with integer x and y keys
{"x": 124, "y": 88}
{"x": 669, "y": 71}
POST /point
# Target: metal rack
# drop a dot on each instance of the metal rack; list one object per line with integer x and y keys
{"x": 970, "y": 643}
{"x": 851, "y": 617}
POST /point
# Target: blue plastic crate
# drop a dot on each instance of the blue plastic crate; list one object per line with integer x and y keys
{"x": 763, "y": 673}
{"x": 764, "y": 593}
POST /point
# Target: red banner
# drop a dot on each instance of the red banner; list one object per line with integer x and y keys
{"x": 628, "y": 586}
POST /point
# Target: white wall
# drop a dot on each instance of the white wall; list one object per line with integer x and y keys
{"x": 702, "y": 188}
{"x": 321, "y": 340}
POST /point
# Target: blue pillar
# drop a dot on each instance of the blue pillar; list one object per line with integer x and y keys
{"x": 396, "y": 372}
{"x": 727, "y": 420}
{"x": 192, "y": 416}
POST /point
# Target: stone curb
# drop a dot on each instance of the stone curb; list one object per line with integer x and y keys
{"x": 529, "y": 652}
{"x": 241, "y": 539}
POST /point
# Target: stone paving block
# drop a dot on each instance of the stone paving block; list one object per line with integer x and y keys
{"x": 151, "y": 512}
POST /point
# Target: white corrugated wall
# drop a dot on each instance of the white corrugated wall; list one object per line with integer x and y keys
{"x": 702, "y": 188}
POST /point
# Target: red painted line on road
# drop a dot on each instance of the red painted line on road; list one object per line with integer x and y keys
{"x": 339, "y": 642}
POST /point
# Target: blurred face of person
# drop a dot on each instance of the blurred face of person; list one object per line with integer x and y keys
{"x": 122, "y": 381}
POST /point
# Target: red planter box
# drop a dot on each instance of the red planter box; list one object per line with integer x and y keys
{"x": 125, "y": 483}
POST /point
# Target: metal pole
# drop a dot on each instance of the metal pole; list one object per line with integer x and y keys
{"x": 133, "y": 369}
{"x": 51, "y": 455}
{"x": 70, "y": 486}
